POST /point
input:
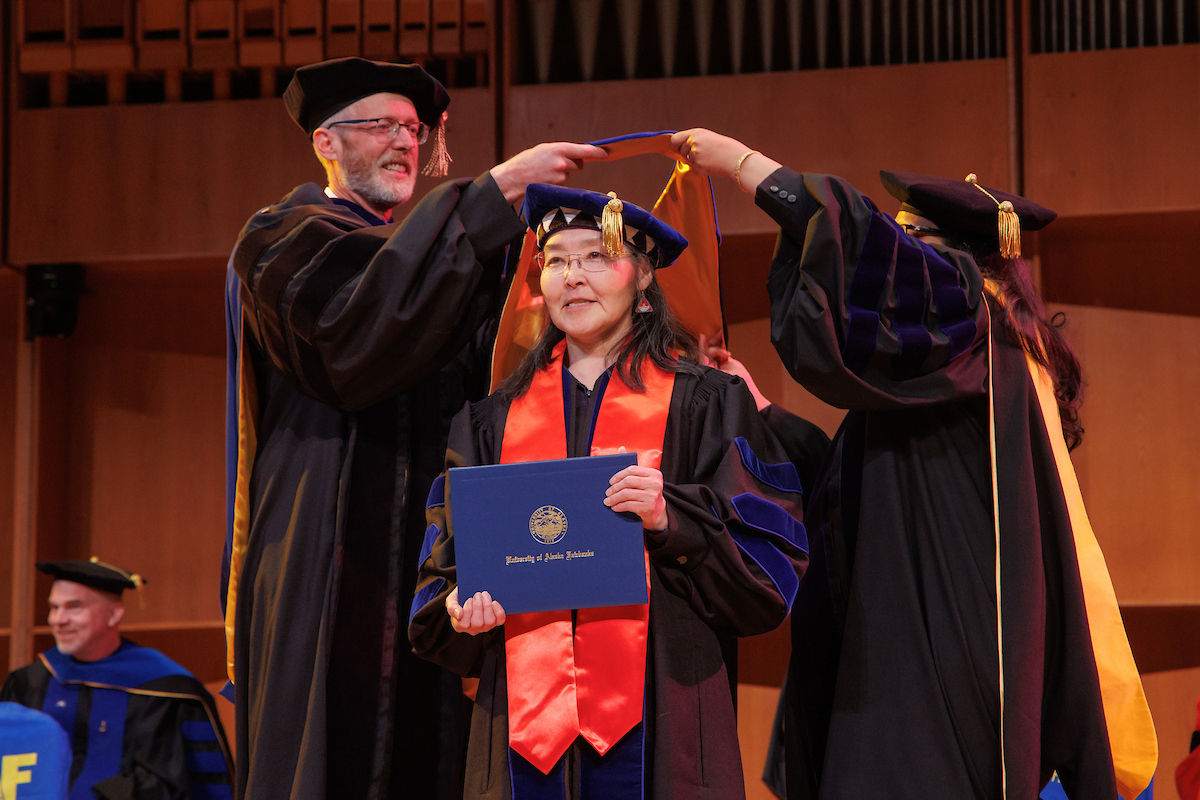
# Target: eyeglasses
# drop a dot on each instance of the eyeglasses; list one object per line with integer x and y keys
{"x": 918, "y": 229}
{"x": 952, "y": 240}
{"x": 557, "y": 263}
{"x": 386, "y": 129}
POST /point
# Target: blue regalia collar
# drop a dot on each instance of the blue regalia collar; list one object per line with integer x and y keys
{"x": 129, "y": 667}
{"x": 367, "y": 216}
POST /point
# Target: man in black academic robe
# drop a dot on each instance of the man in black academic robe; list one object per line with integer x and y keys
{"x": 139, "y": 725}
{"x": 353, "y": 341}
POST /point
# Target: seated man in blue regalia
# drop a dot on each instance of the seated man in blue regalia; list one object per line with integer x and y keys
{"x": 139, "y": 724}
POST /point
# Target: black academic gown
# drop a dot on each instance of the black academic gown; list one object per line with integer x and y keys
{"x": 140, "y": 726}
{"x": 364, "y": 341}
{"x": 804, "y": 442}
{"x": 806, "y": 446}
{"x": 898, "y": 611}
{"x": 705, "y": 588}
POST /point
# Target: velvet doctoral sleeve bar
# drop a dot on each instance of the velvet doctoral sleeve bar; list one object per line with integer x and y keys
{"x": 864, "y": 315}
{"x": 734, "y": 547}
{"x": 473, "y": 441}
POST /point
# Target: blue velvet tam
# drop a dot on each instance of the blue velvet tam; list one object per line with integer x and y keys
{"x": 551, "y": 208}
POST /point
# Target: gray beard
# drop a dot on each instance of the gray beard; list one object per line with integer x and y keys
{"x": 369, "y": 186}
{"x": 362, "y": 177}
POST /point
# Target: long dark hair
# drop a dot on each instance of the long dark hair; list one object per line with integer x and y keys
{"x": 655, "y": 335}
{"x": 1026, "y": 322}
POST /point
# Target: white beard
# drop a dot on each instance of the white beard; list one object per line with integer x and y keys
{"x": 365, "y": 179}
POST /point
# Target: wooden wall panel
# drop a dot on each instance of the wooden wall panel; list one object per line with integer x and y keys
{"x": 1113, "y": 131}
{"x": 1154, "y": 635}
{"x": 11, "y": 302}
{"x": 147, "y": 471}
{"x": 55, "y": 537}
{"x": 1140, "y": 262}
{"x": 1172, "y": 697}
{"x": 750, "y": 343}
{"x": 167, "y": 180}
{"x": 141, "y": 481}
{"x": 756, "y": 715}
{"x": 226, "y": 711}
{"x": 1137, "y": 465}
{"x": 846, "y": 122}
{"x": 12, "y": 292}
{"x": 176, "y": 180}
{"x": 745, "y": 264}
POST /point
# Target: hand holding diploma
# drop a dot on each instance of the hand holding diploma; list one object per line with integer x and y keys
{"x": 478, "y": 615}
{"x": 640, "y": 490}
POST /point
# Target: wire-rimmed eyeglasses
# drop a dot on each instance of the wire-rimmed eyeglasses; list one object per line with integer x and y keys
{"x": 922, "y": 230}
{"x": 386, "y": 129}
{"x": 592, "y": 261}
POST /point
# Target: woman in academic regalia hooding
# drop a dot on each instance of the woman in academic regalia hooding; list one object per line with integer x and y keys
{"x": 719, "y": 503}
{"x": 961, "y": 636}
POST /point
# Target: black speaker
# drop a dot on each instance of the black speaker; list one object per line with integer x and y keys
{"x": 52, "y": 299}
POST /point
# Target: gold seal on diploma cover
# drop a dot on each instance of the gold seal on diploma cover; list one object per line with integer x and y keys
{"x": 548, "y": 524}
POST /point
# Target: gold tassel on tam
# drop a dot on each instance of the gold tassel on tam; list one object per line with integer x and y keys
{"x": 1010, "y": 231}
{"x": 438, "y": 165}
{"x": 1007, "y": 222}
{"x": 612, "y": 225}
{"x": 138, "y": 580}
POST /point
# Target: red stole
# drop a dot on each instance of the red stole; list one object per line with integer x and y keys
{"x": 587, "y": 681}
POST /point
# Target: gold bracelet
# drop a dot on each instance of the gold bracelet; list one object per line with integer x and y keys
{"x": 737, "y": 171}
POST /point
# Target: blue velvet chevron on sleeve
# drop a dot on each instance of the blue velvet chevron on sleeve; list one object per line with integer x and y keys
{"x": 437, "y": 493}
{"x": 760, "y": 514}
{"x": 920, "y": 281}
{"x": 431, "y": 589}
{"x": 208, "y": 773}
{"x": 782, "y": 476}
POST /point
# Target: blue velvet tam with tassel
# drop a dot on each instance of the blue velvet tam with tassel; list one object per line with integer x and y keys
{"x": 551, "y": 208}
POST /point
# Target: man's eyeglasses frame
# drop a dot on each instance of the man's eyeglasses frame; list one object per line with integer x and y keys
{"x": 417, "y": 131}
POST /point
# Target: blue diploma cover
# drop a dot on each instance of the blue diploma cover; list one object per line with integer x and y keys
{"x": 538, "y": 537}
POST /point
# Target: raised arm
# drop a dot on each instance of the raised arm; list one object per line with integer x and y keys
{"x": 354, "y": 315}
{"x": 862, "y": 314}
